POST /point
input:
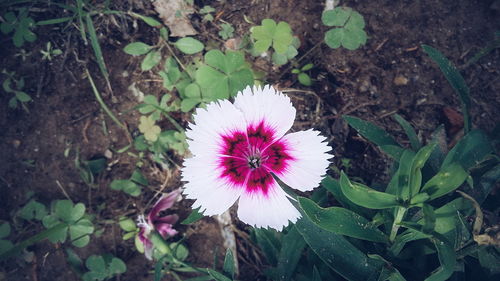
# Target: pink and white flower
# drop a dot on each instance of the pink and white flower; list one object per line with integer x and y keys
{"x": 163, "y": 225}
{"x": 237, "y": 147}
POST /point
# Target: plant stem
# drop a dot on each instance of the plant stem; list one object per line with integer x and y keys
{"x": 395, "y": 225}
{"x": 103, "y": 105}
{"x": 172, "y": 120}
{"x": 32, "y": 240}
{"x": 162, "y": 246}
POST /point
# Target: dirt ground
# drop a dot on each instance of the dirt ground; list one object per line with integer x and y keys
{"x": 390, "y": 74}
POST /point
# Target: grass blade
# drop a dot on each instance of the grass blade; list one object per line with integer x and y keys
{"x": 455, "y": 79}
{"x": 410, "y": 132}
{"x": 94, "y": 42}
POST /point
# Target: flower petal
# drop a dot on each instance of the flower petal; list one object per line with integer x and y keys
{"x": 272, "y": 209}
{"x": 164, "y": 226}
{"x": 163, "y": 203}
{"x": 219, "y": 119}
{"x": 148, "y": 245}
{"x": 268, "y": 105}
{"x": 309, "y": 162}
{"x": 213, "y": 193}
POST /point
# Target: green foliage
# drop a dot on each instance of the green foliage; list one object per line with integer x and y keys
{"x": 342, "y": 221}
{"x": 189, "y": 45}
{"x": 302, "y": 76}
{"x": 5, "y": 244}
{"x": 349, "y": 28}
{"x": 72, "y": 216}
{"x": 131, "y": 186}
{"x": 49, "y": 52}
{"x": 15, "y": 87}
{"x": 21, "y": 24}
{"x": 268, "y": 34}
{"x": 455, "y": 79}
{"x": 33, "y": 210}
{"x": 207, "y": 11}
{"x": 103, "y": 267}
{"x": 193, "y": 217}
{"x": 226, "y": 31}
{"x": 223, "y": 75}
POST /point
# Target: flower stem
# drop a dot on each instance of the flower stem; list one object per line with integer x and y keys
{"x": 161, "y": 245}
{"x": 395, "y": 225}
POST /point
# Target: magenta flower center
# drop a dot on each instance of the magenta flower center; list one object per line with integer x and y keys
{"x": 248, "y": 158}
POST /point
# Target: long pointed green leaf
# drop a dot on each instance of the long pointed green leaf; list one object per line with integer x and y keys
{"x": 376, "y": 135}
{"x": 447, "y": 180}
{"x": 338, "y": 253}
{"x": 341, "y": 221}
{"x": 333, "y": 186}
{"x": 410, "y": 132}
{"x": 470, "y": 150}
{"x": 292, "y": 245}
{"x": 454, "y": 78}
{"x": 416, "y": 168}
{"x": 365, "y": 196}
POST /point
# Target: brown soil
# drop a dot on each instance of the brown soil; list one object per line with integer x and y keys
{"x": 390, "y": 74}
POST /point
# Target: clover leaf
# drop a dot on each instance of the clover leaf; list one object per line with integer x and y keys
{"x": 279, "y": 36}
{"x": 72, "y": 215}
{"x": 131, "y": 186}
{"x": 21, "y": 25}
{"x": 349, "y": 31}
{"x": 103, "y": 267}
{"x": 148, "y": 127}
{"x": 151, "y": 105}
{"x": 173, "y": 77}
{"x": 33, "y": 210}
{"x": 5, "y": 245}
{"x": 223, "y": 75}
{"x": 226, "y": 31}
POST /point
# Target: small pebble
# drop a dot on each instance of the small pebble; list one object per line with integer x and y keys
{"x": 16, "y": 143}
{"x": 400, "y": 80}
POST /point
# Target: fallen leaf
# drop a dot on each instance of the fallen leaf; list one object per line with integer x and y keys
{"x": 175, "y": 15}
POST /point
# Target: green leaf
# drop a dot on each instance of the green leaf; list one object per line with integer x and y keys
{"x": 4, "y": 230}
{"x": 137, "y": 177}
{"x": 148, "y": 20}
{"x": 116, "y": 266}
{"x": 150, "y": 60}
{"x": 189, "y": 45}
{"x": 334, "y": 37}
{"x": 307, "y": 67}
{"x": 195, "y": 216}
{"x": 96, "y": 264}
{"x": 292, "y": 245}
{"x": 229, "y": 266}
{"x": 217, "y": 276}
{"x": 470, "y": 150}
{"x": 64, "y": 210}
{"x": 399, "y": 184}
{"x": 22, "y": 96}
{"x": 444, "y": 182}
{"x": 336, "y": 17}
{"x": 269, "y": 244}
{"x": 282, "y": 37}
{"x": 410, "y": 132}
{"x": 455, "y": 79}
{"x": 333, "y": 186}
{"x": 365, "y": 196}
{"x": 279, "y": 59}
{"x": 415, "y": 172}
{"x": 127, "y": 224}
{"x": 126, "y": 186}
{"x": 447, "y": 259}
{"x": 304, "y": 79}
{"x": 340, "y": 255}
{"x": 33, "y": 210}
{"x": 188, "y": 104}
{"x": 341, "y": 221}
{"x": 137, "y": 48}
{"x": 79, "y": 233}
{"x": 224, "y": 75}
{"x": 213, "y": 83}
{"x": 376, "y": 135}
